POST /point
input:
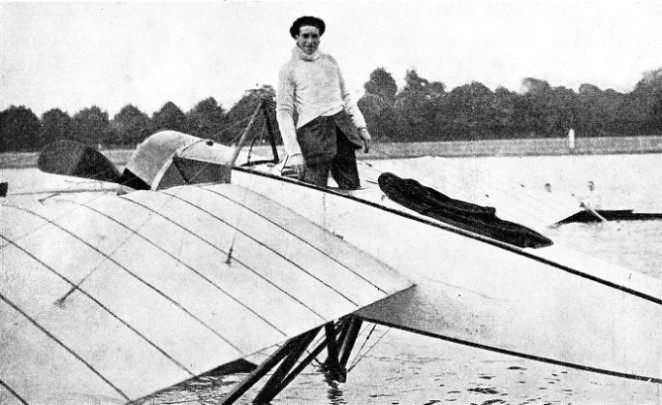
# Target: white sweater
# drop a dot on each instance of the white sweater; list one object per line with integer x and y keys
{"x": 313, "y": 86}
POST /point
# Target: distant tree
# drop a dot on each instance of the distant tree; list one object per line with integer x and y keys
{"x": 169, "y": 117}
{"x": 648, "y": 92}
{"x": 91, "y": 126}
{"x": 535, "y": 86}
{"x": 563, "y": 111}
{"x": 531, "y": 109}
{"x": 597, "y": 111}
{"x": 631, "y": 116}
{"x": 383, "y": 120}
{"x": 377, "y": 106}
{"x": 239, "y": 115}
{"x": 247, "y": 104}
{"x": 610, "y": 104}
{"x": 504, "y": 110}
{"x": 589, "y": 90}
{"x": 382, "y": 84}
{"x": 19, "y": 129}
{"x": 206, "y": 119}
{"x": 418, "y": 103}
{"x": 56, "y": 124}
{"x": 589, "y": 120}
{"x": 472, "y": 112}
{"x": 131, "y": 125}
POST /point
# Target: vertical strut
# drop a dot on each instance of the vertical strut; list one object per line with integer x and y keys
{"x": 258, "y": 373}
{"x": 303, "y": 364}
{"x": 331, "y": 364}
{"x": 275, "y": 384}
{"x": 350, "y": 340}
{"x": 339, "y": 342}
{"x": 268, "y": 109}
{"x": 334, "y": 337}
{"x": 244, "y": 135}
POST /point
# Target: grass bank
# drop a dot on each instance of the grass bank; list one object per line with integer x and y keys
{"x": 514, "y": 147}
{"x": 521, "y": 147}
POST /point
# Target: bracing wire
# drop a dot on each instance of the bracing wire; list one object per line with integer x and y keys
{"x": 365, "y": 341}
{"x": 244, "y": 196}
{"x": 217, "y": 136}
{"x": 60, "y": 302}
{"x": 257, "y": 139}
{"x": 359, "y": 356}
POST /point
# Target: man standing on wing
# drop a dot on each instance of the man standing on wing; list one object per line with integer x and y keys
{"x": 329, "y": 126}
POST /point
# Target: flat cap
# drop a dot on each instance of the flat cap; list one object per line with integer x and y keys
{"x": 307, "y": 20}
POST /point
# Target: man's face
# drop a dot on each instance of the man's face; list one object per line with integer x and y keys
{"x": 308, "y": 39}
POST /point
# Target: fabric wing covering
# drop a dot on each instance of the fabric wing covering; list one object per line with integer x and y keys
{"x": 482, "y": 220}
{"x": 112, "y": 299}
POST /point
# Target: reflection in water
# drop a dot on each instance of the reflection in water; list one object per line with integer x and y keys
{"x": 333, "y": 392}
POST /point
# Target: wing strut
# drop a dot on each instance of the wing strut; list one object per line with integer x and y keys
{"x": 339, "y": 341}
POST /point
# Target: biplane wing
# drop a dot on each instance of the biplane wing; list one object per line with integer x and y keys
{"x": 116, "y": 297}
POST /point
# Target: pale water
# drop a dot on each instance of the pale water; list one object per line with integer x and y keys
{"x": 396, "y": 367}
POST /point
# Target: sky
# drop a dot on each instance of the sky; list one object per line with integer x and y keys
{"x": 75, "y": 55}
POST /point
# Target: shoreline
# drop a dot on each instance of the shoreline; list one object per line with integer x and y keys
{"x": 452, "y": 149}
{"x": 519, "y": 147}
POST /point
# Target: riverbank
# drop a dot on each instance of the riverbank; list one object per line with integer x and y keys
{"x": 521, "y": 147}
{"x": 511, "y": 147}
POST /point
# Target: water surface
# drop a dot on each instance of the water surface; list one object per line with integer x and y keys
{"x": 396, "y": 367}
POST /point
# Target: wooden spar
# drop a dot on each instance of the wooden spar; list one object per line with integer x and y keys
{"x": 289, "y": 354}
{"x": 340, "y": 326}
{"x": 332, "y": 361}
{"x": 350, "y": 340}
{"x": 274, "y": 385}
{"x": 332, "y": 364}
{"x": 259, "y": 372}
{"x": 340, "y": 330}
{"x": 267, "y": 109}
{"x": 244, "y": 135}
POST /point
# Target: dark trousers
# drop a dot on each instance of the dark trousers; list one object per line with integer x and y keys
{"x": 342, "y": 166}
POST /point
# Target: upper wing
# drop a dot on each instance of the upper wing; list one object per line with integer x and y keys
{"x": 117, "y": 297}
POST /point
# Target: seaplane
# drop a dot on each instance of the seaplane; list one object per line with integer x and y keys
{"x": 198, "y": 255}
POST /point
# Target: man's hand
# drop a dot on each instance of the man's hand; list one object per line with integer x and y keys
{"x": 296, "y": 162}
{"x": 365, "y": 136}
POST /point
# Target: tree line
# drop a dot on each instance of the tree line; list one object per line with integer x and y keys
{"x": 424, "y": 110}
{"x": 421, "y": 110}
